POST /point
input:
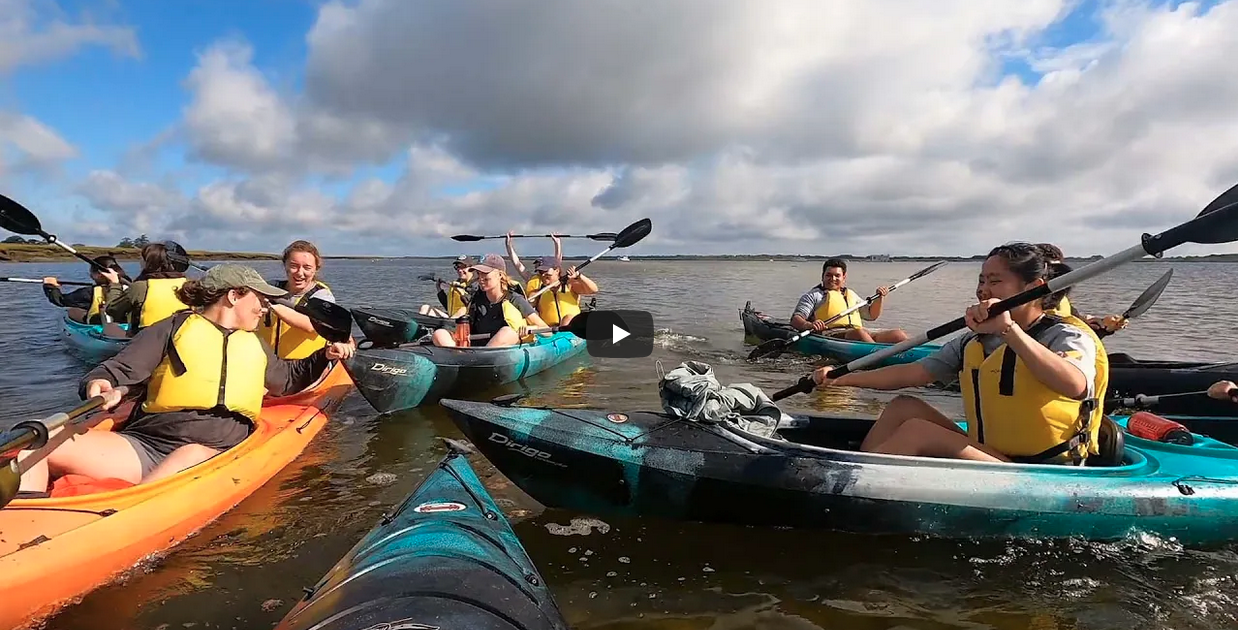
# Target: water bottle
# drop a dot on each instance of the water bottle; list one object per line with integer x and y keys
{"x": 1150, "y": 426}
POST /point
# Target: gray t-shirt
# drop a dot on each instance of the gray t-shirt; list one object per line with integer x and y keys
{"x": 1075, "y": 346}
{"x": 810, "y": 301}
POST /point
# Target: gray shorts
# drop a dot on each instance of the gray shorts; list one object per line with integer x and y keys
{"x": 147, "y": 454}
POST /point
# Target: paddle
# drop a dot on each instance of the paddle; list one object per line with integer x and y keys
{"x": 16, "y": 218}
{"x": 600, "y": 236}
{"x": 1141, "y": 400}
{"x": 775, "y": 347}
{"x": 177, "y": 254}
{"x": 1148, "y": 297}
{"x": 630, "y": 236}
{"x": 33, "y": 434}
{"x": 62, "y": 282}
{"x": 1217, "y": 223}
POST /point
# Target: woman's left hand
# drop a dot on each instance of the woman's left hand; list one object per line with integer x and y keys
{"x": 977, "y": 318}
{"x": 339, "y": 351}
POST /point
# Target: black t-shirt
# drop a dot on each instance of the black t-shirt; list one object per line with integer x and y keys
{"x": 487, "y": 319}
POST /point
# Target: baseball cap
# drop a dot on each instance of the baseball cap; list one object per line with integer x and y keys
{"x": 548, "y": 262}
{"x": 233, "y": 276}
{"x": 491, "y": 262}
{"x": 464, "y": 259}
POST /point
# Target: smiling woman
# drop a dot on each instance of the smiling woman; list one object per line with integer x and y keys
{"x": 289, "y": 333}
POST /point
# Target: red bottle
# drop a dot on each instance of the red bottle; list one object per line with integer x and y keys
{"x": 462, "y": 334}
{"x": 1150, "y": 426}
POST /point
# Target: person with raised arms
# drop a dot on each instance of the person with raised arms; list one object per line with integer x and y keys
{"x": 85, "y": 305}
{"x": 205, "y": 373}
{"x": 289, "y": 333}
{"x": 533, "y": 279}
{"x": 1031, "y": 381}
{"x": 559, "y": 305}
{"x": 496, "y": 310}
{"x": 832, "y": 297}
{"x": 152, "y": 297}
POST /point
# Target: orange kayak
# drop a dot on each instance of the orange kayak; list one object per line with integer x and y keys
{"x": 91, "y": 531}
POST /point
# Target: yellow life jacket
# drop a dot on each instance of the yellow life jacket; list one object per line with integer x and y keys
{"x": 555, "y": 305}
{"x": 456, "y": 294}
{"x": 96, "y": 304}
{"x": 290, "y": 342}
{"x": 533, "y": 285}
{"x": 205, "y": 367}
{"x": 1011, "y": 411}
{"x": 836, "y": 302}
{"x": 514, "y": 286}
{"x": 1063, "y": 308}
{"x": 161, "y": 300}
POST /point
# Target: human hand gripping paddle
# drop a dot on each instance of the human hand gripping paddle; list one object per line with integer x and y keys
{"x": 330, "y": 320}
{"x": 600, "y": 236}
{"x": 16, "y": 218}
{"x": 1217, "y": 223}
{"x": 775, "y": 347}
{"x": 35, "y": 434}
{"x": 630, "y": 236}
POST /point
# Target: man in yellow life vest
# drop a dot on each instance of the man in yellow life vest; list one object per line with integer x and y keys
{"x": 533, "y": 279}
{"x": 559, "y": 305}
{"x": 85, "y": 305}
{"x": 205, "y": 372}
{"x": 831, "y": 298}
{"x": 1032, "y": 383}
{"x": 455, "y": 295}
{"x": 152, "y": 296}
{"x": 289, "y": 333}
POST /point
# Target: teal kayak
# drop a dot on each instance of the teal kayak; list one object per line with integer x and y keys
{"x": 393, "y": 379}
{"x": 765, "y": 328}
{"x": 89, "y": 340}
{"x": 445, "y": 558}
{"x": 811, "y": 475}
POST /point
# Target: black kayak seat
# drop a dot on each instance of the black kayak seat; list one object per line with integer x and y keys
{"x": 1111, "y": 441}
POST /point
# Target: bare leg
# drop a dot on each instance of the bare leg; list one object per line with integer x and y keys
{"x": 900, "y": 410}
{"x": 565, "y": 321}
{"x": 426, "y": 309}
{"x": 505, "y": 337}
{"x": 184, "y": 457}
{"x": 858, "y": 334}
{"x": 97, "y": 454}
{"x": 443, "y": 339}
{"x": 895, "y": 335}
{"x": 925, "y": 438}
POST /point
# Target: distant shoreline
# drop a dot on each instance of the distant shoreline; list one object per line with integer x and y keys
{"x": 20, "y": 253}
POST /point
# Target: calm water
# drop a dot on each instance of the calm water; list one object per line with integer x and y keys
{"x": 247, "y": 569}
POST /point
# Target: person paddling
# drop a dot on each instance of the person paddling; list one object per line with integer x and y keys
{"x": 457, "y": 294}
{"x": 495, "y": 310}
{"x": 558, "y": 306}
{"x": 205, "y": 372}
{"x": 1031, "y": 381}
{"x": 84, "y": 305}
{"x": 289, "y": 333}
{"x": 152, "y": 297}
{"x": 832, "y": 297}
{"x": 1102, "y": 326}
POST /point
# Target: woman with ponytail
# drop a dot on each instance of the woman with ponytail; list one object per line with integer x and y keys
{"x": 1102, "y": 326}
{"x": 1032, "y": 382}
{"x": 205, "y": 373}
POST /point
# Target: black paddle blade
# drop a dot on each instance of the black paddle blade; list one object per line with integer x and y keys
{"x": 578, "y": 325}
{"x": 1149, "y": 296}
{"x": 603, "y": 236}
{"x": 332, "y": 321}
{"x": 771, "y": 348}
{"x": 467, "y": 238}
{"x": 927, "y": 270}
{"x": 426, "y": 276}
{"x": 633, "y": 234}
{"x": 15, "y": 218}
{"x": 1216, "y": 223}
{"x": 10, "y": 482}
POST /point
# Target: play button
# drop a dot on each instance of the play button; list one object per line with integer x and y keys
{"x": 618, "y": 334}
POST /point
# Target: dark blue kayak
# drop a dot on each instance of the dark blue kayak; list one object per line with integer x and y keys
{"x": 445, "y": 558}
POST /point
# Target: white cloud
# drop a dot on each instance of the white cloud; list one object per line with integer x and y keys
{"x": 27, "y": 38}
{"x": 797, "y": 126}
{"x": 29, "y": 143}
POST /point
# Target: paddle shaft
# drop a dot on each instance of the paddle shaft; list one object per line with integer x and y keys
{"x": 62, "y": 282}
{"x": 867, "y": 302}
{"x": 806, "y": 384}
{"x": 34, "y": 433}
{"x": 600, "y": 236}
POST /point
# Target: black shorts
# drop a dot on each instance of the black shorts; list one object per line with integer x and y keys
{"x": 149, "y": 455}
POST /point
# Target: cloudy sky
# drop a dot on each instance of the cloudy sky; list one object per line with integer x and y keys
{"x": 739, "y": 126}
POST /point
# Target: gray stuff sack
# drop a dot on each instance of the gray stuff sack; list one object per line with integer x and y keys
{"x": 691, "y": 392}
